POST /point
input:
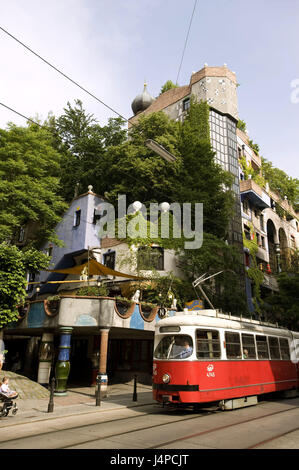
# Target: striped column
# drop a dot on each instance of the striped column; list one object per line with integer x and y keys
{"x": 62, "y": 368}
{"x": 46, "y": 351}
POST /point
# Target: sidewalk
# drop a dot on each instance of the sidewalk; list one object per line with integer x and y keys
{"x": 80, "y": 400}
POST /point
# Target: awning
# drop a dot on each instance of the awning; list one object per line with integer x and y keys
{"x": 93, "y": 268}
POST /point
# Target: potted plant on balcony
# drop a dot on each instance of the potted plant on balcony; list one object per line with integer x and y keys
{"x": 23, "y": 310}
{"x": 124, "y": 307}
{"x": 148, "y": 310}
{"x": 92, "y": 291}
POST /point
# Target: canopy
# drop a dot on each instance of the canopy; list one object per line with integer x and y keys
{"x": 93, "y": 268}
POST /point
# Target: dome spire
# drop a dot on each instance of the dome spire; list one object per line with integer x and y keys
{"x": 142, "y": 101}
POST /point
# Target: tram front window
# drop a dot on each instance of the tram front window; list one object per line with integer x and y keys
{"x": 174, "y": 347}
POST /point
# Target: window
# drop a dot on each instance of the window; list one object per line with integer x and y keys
{"x": 248, "y": 345}
{"x": 208, "y": 344}
{"x": 21, "y": 236}
{"x": 233, "y": 345}
{"x": 77, "y": 218}
{"x": 109, "y": 259}
{"x": 186, "y": 104}
{"x": 258, "y": 239}
{"x": 96, "y": 216}
{"x": 245, "y": 206}
{"x": 30, "y": 278}
{"x": 274, "y": 347}
{"x": 284, "y": 348}
{"x": 150, "y": 258}
{"x": 262, "y": 347}
{"x": 262, "y": 227}
{"x": 174, "y": 347}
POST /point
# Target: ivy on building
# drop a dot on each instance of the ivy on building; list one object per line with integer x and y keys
{"x": 253, "y": 272}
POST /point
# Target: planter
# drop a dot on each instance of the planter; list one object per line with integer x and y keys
{"x": 148, "y": 312}
{"x": 51, "y": 307}
{"x": 124, "y": 309}
{"x": 23, "y": 310}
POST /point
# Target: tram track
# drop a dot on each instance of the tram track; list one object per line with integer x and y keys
{"x": 221, "y": 428}
{"x": 160, "y": 445}
{"x": 266, "y": 441}
{"x": 91, "y": 427}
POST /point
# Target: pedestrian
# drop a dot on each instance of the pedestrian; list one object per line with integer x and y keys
{"x": 5, "y": 389}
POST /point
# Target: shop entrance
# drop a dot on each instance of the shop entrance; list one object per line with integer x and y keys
{"x": 80, "y": 371}
{"x": 129, "y": 356}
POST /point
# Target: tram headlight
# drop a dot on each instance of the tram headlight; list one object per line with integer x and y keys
{"x": 166, "y": 378}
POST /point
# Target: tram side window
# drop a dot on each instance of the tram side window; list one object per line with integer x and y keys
{"x": 233, "y": 345}
{"x": 248, "y": 344}
{"x": 262, "y": 347}
{"x": 274, "y": 347}
{"x": 284, "y": 348}
{"x": 208, "y": 344}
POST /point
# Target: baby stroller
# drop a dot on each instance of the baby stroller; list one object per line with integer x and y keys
{"x": 8, "y": 404}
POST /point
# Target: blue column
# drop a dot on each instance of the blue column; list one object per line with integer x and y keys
{"x": 62, "y": 368}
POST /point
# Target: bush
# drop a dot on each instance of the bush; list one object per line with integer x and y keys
{"x": 93, "y": 291}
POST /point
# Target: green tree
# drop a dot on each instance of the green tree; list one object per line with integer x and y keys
{"x": 223, "y": 290}
{"x": 14, "y": 264}
{"x": 169, "y": 85}
{"x": 85, "y": 146}
{"x": 282, "y": 183}
{"x": 133, "y": 169}
{"x": 201, "y": 178}
{"x": 283, "y": 306}
{"x": 241, "y": 125}
{"x": 29, "y": 183}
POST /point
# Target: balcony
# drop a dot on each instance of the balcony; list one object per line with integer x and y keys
{"x": 255, "y": 194}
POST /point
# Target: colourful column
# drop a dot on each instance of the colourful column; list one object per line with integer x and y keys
{"x": 46, "y": 353}
{"x": 104, "y": 334}
{"x": 95, "y": 355}
{"x": 62, "y": 368}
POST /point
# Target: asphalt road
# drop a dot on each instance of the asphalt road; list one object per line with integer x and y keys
{"x": 272, "y": 424}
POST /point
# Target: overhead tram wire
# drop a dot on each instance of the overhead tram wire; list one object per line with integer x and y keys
{"x": 186, "y": 41}
{"x": 25, "y": 117}
{"x": 76, "y": 83}
{"x": 63, "y": 74}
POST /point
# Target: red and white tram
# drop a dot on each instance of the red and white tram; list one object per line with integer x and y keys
{"x": 206, "y": 356}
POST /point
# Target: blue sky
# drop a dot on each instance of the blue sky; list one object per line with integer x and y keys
{"x": 111, "y": 47}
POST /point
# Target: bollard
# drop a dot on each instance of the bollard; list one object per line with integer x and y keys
{"x": 98, "y": 391}
{"x": 51, "y": 401}
{"x": 135, "y": 388}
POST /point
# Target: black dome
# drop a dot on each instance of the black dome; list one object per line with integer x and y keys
{"x": 142, "y": 101}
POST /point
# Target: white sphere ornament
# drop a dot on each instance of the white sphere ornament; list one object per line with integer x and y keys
{"x": 165, "y": 206}
{"x": 137, "y": 206}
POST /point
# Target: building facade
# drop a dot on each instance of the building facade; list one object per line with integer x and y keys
{"x": 79, "y": 336}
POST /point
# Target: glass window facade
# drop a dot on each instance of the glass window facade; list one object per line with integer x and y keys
{"x": 223, "y": 135}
